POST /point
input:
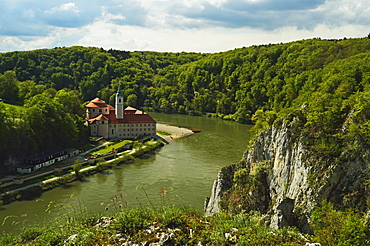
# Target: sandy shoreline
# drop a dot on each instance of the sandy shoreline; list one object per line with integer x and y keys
{"x": 175, "y": 131}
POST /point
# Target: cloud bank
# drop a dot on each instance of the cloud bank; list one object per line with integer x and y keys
{"x": 173, "y": 25}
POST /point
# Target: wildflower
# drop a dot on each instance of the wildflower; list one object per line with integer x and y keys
{"x": 101, "y": 204}
{"x": 23, "y": 215}
{"x": 162, "y": 192}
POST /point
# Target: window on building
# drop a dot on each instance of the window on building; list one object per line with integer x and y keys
{"x": 100, "y": 110}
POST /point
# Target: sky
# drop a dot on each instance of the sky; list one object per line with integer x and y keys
{"x": 176, "y": 25}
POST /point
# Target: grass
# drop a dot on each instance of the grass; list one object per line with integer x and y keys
{"x": 178, "y": 225}
{"x": 13, "y": 106}
{"x": 110, "y": 147}
{"x": 174, "y": 225}
{"x": 89, "y": 146}
{"x": 164, "y": 133}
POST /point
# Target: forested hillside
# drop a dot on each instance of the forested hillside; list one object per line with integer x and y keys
{"x": 255, "y": 84}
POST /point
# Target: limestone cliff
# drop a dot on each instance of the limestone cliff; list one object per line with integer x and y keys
{"x": 282, "y": 178}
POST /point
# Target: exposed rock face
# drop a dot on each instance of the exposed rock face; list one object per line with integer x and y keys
{"x": 295, "y": 179}
{"x": 223, "y": 183}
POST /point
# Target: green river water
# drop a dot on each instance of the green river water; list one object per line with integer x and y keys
{"x": 184, "y": 170}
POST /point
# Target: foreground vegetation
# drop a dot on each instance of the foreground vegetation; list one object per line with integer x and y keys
{"x": 172, "y": 225}
{"x": 181, "y": 226}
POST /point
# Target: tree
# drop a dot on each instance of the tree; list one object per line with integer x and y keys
{"x": 76, "y": 168}
{"x": 28, "y": 89}
{"x": 9, "y": 86}
{"x": 47, "y": 123}
{"x": 131, "y": 100}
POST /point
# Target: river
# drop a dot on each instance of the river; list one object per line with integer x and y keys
{"x": 180, "y": 173}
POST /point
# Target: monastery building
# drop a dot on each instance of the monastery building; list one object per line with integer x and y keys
{"x": 109, "y": 122}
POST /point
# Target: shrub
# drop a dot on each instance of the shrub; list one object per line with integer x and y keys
{"x": 30, "y": 234}
{"x": 133, "y": 220}
{"x": 332, "y": 227}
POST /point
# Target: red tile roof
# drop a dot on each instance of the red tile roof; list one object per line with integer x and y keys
{"x": 97, "y": 103}
{"x": 138, "y": 118}
{"x": 129, "y": 108}
{"x": 131, "y": 115}
{"x": 101, "y": 117}
{"x": 97, "y": 100}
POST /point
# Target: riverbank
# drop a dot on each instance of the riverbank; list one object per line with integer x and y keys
{"x": 106, "y": 162}
{"x": 167, "y": 132}
{"x": 175, "y": 132}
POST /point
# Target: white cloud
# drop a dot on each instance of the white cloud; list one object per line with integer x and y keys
{"x": 70, "y": 7}
{"x": 174, "y": 25}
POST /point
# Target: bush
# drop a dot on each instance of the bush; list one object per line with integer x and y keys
{"x": 30, "y": 234}
{"x": 131, "y": 221}
{"x": 332, "y": 227}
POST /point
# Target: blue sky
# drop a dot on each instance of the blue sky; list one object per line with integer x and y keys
{"x": 175, "y": 26}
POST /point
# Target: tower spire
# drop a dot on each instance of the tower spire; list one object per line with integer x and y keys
{"x": 119, "y": 92}
{"x": 119, "y": 103}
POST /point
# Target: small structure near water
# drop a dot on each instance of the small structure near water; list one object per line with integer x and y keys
{"x": 44, "y": 159}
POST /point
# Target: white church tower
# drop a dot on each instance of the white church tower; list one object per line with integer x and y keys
{"x": 119, "y": 103}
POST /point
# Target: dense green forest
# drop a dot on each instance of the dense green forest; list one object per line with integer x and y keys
{"x": 257, "y": 84}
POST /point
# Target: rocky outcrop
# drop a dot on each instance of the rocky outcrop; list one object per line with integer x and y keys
{"x": 223, "y": 183}
{"x": 295, "y": 179}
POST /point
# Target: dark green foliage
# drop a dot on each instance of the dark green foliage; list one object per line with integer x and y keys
{"x": 6, "y": 239}
{"x": 130, "y": 222}
{"x": 332, "y": 227}
{"x": 140, "y": 225}
{"x": 257, "y": 84}
{"x": 30, "y": 234}
{"x": 49, "y": 120}
{"x": 231, "y": 85}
